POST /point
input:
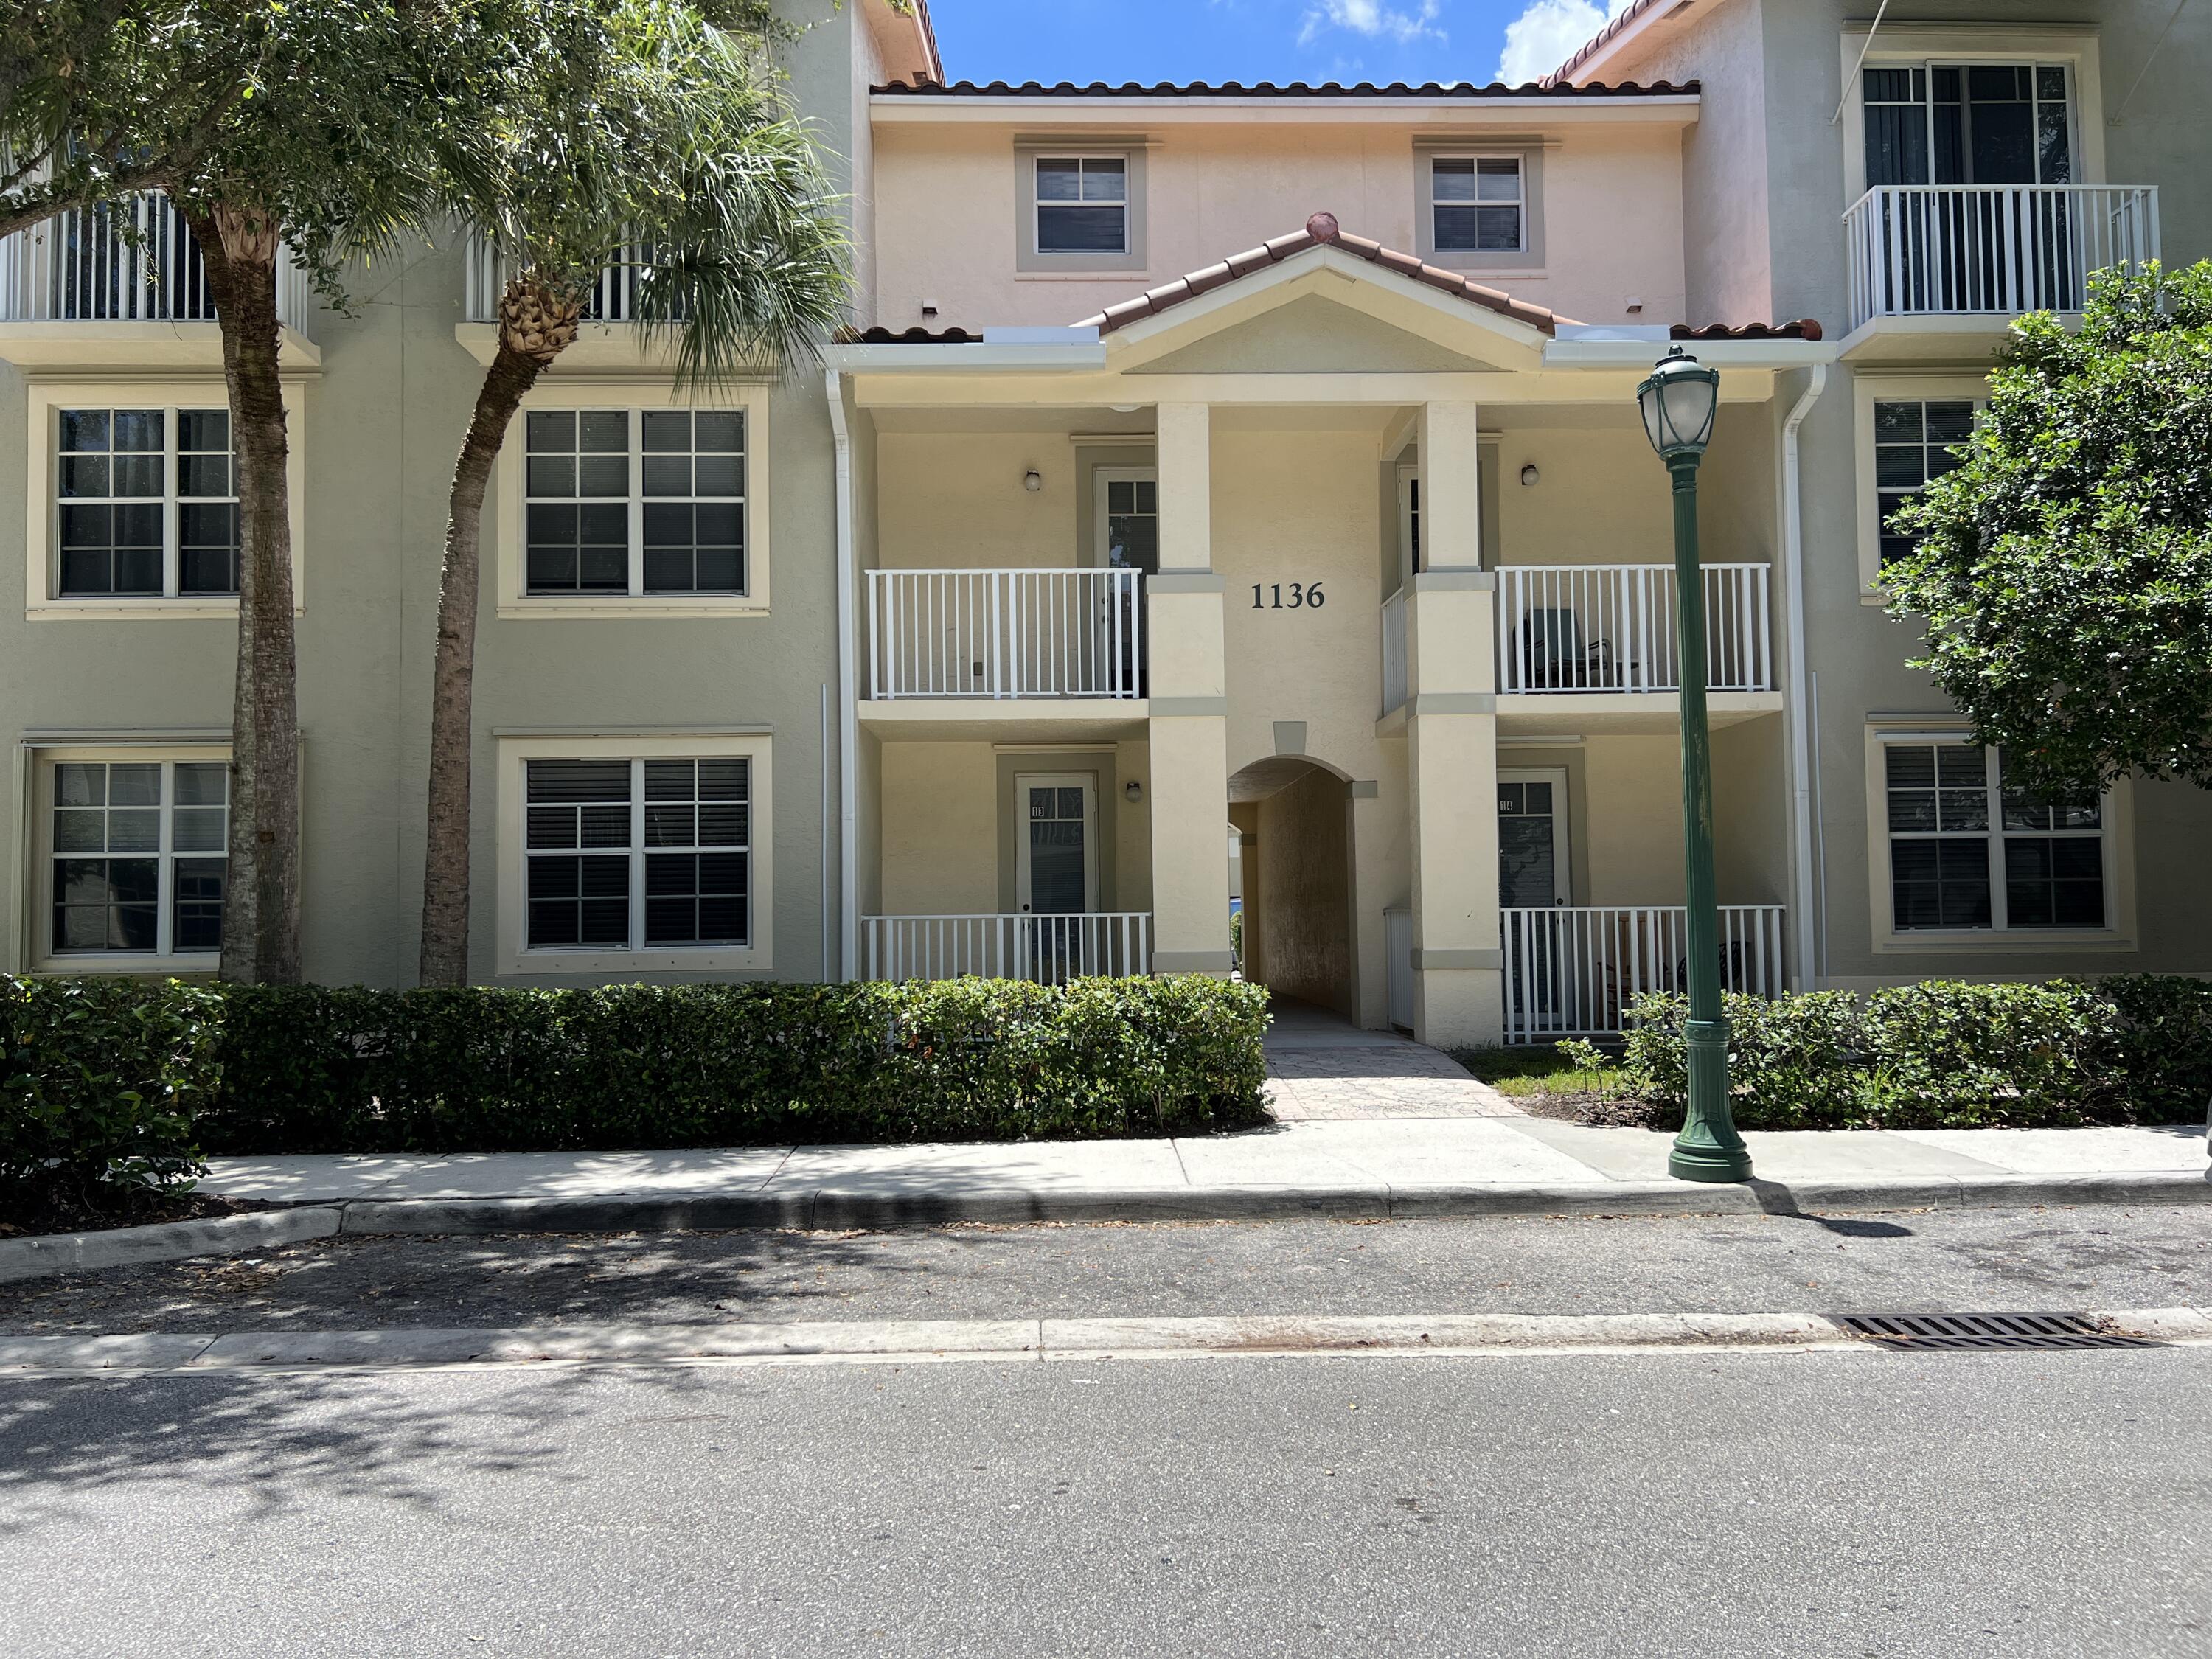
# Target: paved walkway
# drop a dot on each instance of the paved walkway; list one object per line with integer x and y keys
{"x": 1322, "y": 1068}
{"x": 1335, "y": 1160}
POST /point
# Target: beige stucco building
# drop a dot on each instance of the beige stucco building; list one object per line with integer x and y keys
{"x": 1207, "y": 466}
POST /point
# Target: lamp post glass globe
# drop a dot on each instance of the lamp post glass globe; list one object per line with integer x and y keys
{"x": 1678, "y": 403}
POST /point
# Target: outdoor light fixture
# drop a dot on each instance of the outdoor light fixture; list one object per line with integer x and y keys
{"x": 1032, "y": 481}
{"x": 1529, "y": 475}
{"x": 1678, "y": 403}
{"x": 1132, "y": 792}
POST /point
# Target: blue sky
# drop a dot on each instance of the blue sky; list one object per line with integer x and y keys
{"x": 1279, "y": 41}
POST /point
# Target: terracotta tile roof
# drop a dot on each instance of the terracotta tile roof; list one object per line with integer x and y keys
{"x": 879, "y": 335}
{"x": 1321, "y": 228}
{"x": 1430, "y": 90}
{"x": 1804, "y": 329}
{"x": 1629, "y": 13}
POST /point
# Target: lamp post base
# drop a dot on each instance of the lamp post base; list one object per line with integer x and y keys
{"x": 1709, "y": 1148}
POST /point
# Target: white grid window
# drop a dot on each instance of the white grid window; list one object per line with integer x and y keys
{"x": 634, "y": 502}
{"x": 638, "y": 854}
{"x": 1479, "y": 205}
{"x": 1082, "y": 204}
{"x": 136, "y": 850}
{"x": 1915, "y": 440}
{"x": 1970, "y": 851}
{"x": 146, "y": 504}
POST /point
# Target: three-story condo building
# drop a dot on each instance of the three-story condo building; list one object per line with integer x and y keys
{"x": 1223, "y": 490}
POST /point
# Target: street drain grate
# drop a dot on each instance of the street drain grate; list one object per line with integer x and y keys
{"x": 1993, "y": 1330}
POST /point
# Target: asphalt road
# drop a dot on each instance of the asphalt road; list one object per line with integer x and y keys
{"x": 1862, "y": 1504}
{"x": 1848, "y": 1503}
{"x": 1905, "y": 1260}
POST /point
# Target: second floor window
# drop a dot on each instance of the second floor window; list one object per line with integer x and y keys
{"x": 1478, "y": 204}
{"x": 634, "y": 502}
{"x": 147, "y": 504}
{"x": 1913, "y": 442}
{"x": 1082, "y": 204}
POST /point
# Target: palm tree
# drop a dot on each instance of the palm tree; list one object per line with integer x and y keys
{"x": 664, "y": 141}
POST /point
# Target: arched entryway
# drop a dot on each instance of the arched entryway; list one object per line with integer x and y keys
{"x": 1294, "y": 816}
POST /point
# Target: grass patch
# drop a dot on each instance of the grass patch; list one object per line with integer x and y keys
{"x": 1521, "y": 1073}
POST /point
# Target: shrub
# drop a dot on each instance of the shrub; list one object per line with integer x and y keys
{"x": 100, "y": 1083}
{"x": 311, "y": 1069}
{"x": 2165, "y": 1043}
{"x": 1939, "y": 1054}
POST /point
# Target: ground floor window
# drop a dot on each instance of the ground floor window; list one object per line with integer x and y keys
{"x": 135, "y": 855}
{"x": 638, "y": 854}
{"x": 1969, "y": 850}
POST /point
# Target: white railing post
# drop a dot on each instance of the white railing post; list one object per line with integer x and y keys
{"x": 1573, "y": 971}
{"x": 1001, "y": 633}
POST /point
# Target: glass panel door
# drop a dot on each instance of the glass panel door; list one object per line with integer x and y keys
{"x": 1532, "y": 877}
{"x": 1056, "y": 873}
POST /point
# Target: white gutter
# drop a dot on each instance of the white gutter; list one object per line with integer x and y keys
{"x": 1852, "y": 80}
{"x": 848, "y": 719}
{"x": 1801, "y": 733}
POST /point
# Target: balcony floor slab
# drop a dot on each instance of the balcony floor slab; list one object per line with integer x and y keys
{"x": 1551, "y": 714}
{"x": 1005, "y": 720}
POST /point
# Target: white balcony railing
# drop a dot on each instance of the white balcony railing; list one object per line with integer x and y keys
{"x": 1395, "y": 683}
{"x": 1611, "y": 627}
{"x": 131, "y": 260}
{"x": 1005, "y": 634}
{"x": 1050, "y": 949}
{"x": 1919, "y": 250}
{"x": 612, "y": 299}
{"x": 1571, "y": 970}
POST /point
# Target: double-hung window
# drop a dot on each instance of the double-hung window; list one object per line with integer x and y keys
{"x": 1478, "y": 204}
{"x": 634, "y": 502}
{"x": 146, "y": 503}
{"x": 135, "y": 856}
{"x": 1969, "y": 850}
{"x": 638, "y": 854}
{"x": 1915, "y": 440}
{"x": 1082, "y": 205}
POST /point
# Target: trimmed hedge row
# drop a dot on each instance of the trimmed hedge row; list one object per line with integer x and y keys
{"x": 99, "y": 1071}
{"x": 2132, "y": 1049}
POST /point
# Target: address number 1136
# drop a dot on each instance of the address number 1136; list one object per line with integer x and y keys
{"x": 1288, "y": 595}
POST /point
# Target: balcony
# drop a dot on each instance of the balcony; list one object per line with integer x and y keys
{"x": 1048, "y": 950}
{"x": 1610, "y": 628}
{"x": 123, "y": 284}
{"x": 1571, "y": 971}
{"x": 1001, "y": 635}
{"x": 1992, "y": 250}
{"x": 612, "y": 299}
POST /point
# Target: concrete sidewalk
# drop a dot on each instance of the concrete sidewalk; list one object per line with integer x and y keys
{"x": 1398, "y": 1166}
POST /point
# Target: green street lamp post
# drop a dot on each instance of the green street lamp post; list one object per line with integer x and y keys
{"x": 1678, "y": 403}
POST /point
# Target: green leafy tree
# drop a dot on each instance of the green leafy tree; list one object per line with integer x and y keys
{"x": 2063, "y": 569}
{"x": 652, "y": 138}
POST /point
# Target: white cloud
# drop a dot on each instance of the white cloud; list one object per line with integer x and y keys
{"x": 1371, "y": 18}
{"x": 1545, "y": 35}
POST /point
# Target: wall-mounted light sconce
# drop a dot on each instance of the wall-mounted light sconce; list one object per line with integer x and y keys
{"x": 1529, "y": 475}
{"x": 1133, "y": 792}
{"x": 1032, "y": 481}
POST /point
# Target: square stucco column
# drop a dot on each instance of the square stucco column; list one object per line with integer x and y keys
{"x": 1451, "y": 748}
{"x": 1187, "y": 690}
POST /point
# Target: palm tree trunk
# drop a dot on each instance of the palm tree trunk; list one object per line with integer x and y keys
{"x": 535, "y": 325}
{"x": 261, "y": 898}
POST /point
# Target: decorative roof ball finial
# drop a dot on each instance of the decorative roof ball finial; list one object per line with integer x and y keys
{"x": 1323, "y": 227}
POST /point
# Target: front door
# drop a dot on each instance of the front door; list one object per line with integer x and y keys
{"x": 1056, "y": 872}
{"x": 1532, "y": 890}
{"x": 1127, "y": 508}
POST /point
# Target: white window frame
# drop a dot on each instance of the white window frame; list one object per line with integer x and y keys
{"x": 1868, "y": 391}
{"x": 2115, "y": 831}
{"x": 2073, "y": 48}
{"x": 635, "y": 397}
{"x": 1100, "y": 477}
{"x": 38, "y": 872}
{"x": 1525, "y": 261}
{"x": 1086, "y": 782}
{"x": 47, "y": 398}
{"x": 1563, "y": 878}
{"x": 1519, "y": 203}
{"x": 515, "y": 955}
{"x": 1084, "y": 158}
{"x": 1031, "y": 262}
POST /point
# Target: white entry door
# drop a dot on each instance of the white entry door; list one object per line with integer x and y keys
{"x": 1056, "y": 855}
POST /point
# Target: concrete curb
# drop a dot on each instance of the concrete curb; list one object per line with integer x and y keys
{"x": 1029, "y": 1340}
{"x": 853, "y": 1206}
{"x": 164, "y": 1241}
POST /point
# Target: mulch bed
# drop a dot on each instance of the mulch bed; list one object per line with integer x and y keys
{"x": 1607, "y": 1111}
